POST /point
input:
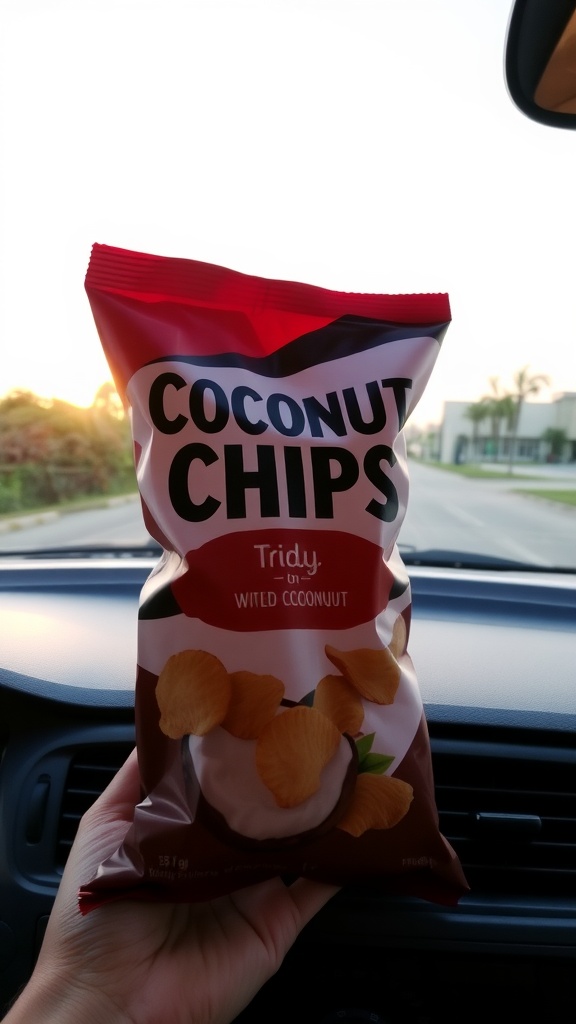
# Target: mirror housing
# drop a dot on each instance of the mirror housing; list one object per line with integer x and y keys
{"x": 540, "y": 60}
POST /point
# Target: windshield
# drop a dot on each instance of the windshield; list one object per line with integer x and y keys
{"x": 360, "y": 145}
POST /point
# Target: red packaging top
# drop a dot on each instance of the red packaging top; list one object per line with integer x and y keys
{"x": 166, "y": 297}
{"x": 163, "y": 278}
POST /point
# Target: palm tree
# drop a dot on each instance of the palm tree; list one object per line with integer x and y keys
{"x": 499, "y": 407}
{"x": 525, "y": 385}
{"x": 476, "y": 413}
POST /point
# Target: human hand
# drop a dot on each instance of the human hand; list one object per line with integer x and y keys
{"x": 147, "y": 963}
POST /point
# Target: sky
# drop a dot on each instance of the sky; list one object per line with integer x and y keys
{"x": 361, "y": 145}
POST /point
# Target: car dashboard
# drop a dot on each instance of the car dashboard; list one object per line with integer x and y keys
{"x": 494, "y": 653}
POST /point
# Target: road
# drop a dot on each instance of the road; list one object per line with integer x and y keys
{"x": 445, "y": 511}
{"x": 119, "y": 523}
{"x": 448, "y": 511}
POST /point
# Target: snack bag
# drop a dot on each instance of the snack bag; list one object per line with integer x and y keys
{"x": 280, "y": 727}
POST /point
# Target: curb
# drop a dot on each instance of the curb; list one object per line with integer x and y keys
{"x": 23, "y": 522}
{"x": 10, "y": 524}
{"x": 563, "y": 506}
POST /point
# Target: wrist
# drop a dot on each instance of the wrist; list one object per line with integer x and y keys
{"x": 49, "y": 1000}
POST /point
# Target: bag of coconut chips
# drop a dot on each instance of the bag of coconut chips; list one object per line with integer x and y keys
{"x": 280, "y": 727}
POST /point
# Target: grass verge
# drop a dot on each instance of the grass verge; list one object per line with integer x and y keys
{"x": 566, "y": 497}
{"x": 477, "y": 472}
{"x": 77, "y": 505}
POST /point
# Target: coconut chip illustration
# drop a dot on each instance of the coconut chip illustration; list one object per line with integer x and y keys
{"x": 275, "y": 772}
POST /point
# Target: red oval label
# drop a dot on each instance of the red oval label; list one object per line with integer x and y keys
{"x": 284, "y": 579}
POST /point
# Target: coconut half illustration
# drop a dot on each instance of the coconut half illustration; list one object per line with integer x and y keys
{"x": 232, "y": 800}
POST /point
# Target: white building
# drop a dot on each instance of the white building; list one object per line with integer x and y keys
{"x": 462, "y": 440}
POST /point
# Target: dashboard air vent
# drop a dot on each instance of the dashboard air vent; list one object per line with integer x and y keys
{"x": 507, "y": 804}
{"x": 90, "y": 770}
{"x": 508, "y": 807}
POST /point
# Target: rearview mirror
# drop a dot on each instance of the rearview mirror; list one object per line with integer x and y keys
{"x": 540, "y": 60}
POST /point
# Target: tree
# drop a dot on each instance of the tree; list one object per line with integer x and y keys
{"x": 51, "y": 451}
{"x": 107, "y": 400}
{"x": 476, "y": 413}
{"x": 525, "y": 386}
{"x": 556, "y": 438}
{"x": 499, "y": 407}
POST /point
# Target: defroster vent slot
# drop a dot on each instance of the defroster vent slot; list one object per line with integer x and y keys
{"x": 509, "y": 811}
{"x": 90, "y": 770}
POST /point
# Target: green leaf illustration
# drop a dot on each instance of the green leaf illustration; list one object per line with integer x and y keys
{"x": 376, "y": 764}
{"x": 364, "y": 745}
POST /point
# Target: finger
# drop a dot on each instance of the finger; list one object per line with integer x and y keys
{"x": 118, "y": 800}
{"x": 278, "y": 912}
{"x": 309, "y": 897}
{"x": 103, "y": 827}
